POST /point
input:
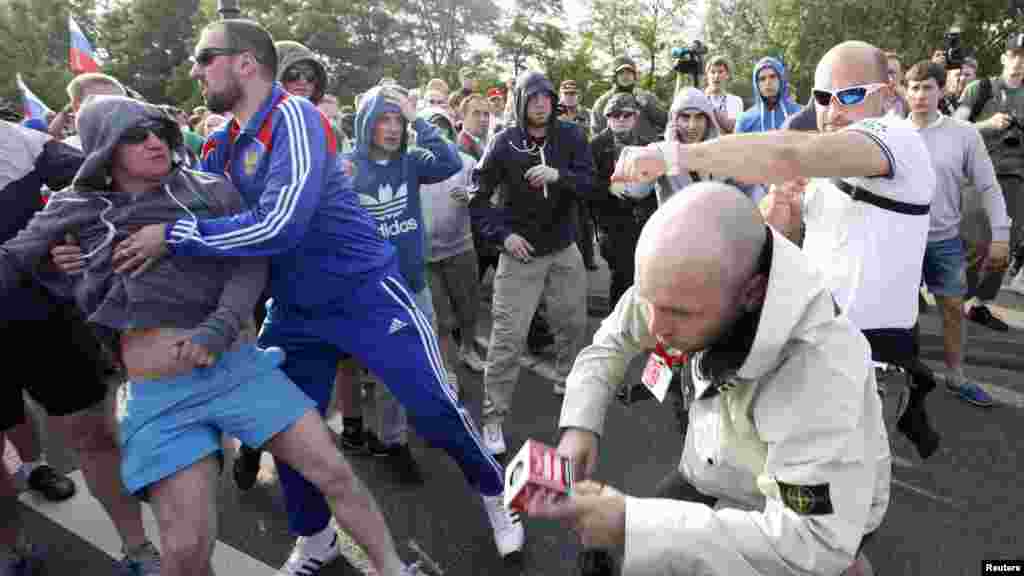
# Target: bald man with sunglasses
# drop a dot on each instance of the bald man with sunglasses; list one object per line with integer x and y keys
{"x": 863, "y": 215}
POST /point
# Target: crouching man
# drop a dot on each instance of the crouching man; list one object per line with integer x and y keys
{"x": 181, "y": 327}
{"x": 786, "y": 463}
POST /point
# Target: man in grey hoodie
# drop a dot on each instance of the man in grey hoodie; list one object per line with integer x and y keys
{"x": 691, "y": 120}
{"x": 182, "y": 328}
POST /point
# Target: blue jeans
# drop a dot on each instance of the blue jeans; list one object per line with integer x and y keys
{"x": 945, "y": 268}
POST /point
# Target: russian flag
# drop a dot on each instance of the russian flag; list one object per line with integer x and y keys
{"x": 82, "y": 58}
{"x": 34, "y": 109}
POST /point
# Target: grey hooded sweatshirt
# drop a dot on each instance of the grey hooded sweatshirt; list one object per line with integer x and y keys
{"x": 692, "y": 98}
{"x": 213, "y": 296}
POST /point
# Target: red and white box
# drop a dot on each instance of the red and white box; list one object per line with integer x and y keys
{"x": 536, "y": 468}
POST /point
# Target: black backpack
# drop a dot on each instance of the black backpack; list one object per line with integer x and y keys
{"x": 984, "y": 95}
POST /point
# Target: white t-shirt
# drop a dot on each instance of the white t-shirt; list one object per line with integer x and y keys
{"x": 731, "y": 104}
{"x": 872, "y": 256}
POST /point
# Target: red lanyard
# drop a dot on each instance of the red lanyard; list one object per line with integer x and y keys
{"x": 670, "y": 360}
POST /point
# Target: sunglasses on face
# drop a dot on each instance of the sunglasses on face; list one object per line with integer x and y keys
{"x": 847, "y": 96}
{"x": 620, "y": 115}
{"x": 139, "y": 134}
{"x": 296, "y": 73}
{"x": 206, "y": 56}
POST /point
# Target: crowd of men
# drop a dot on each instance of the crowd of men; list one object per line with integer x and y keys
{"x": 250, "y": 269}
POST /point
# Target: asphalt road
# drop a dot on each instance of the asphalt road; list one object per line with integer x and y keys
{"x": 946, "y": 515}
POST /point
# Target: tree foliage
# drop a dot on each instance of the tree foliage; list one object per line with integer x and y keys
{"x": 146, "y": 43}
{"x": 799, "y": 32}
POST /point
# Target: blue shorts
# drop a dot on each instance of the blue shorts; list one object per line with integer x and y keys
{"x": 168, "y": 424}
{"x": 945, "y": 268}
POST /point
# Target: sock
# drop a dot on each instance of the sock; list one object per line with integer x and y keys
{"x": 27, "y": 468}
{"x": 322, "y": 539}
{"x": 352, "y": 424}
{"x": 955, "y": 377}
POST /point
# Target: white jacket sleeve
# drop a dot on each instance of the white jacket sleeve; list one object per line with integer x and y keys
{"x": 600, "y": 367}
{"x": 819, "y": 483}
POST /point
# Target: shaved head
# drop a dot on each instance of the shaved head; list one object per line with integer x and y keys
{"x": 865, "y": 63}
{"x": 695, "y": 261}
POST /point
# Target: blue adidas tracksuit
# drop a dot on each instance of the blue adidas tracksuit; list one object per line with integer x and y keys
{"x": 334, "y": 283}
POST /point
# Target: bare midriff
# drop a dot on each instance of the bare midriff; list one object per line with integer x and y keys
{"x": 151, "y": 353}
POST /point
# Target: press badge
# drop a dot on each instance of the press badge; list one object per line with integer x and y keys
{"x": 657, "y": 376}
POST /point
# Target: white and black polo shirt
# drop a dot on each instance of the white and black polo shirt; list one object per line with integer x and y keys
{"x": 868, "y": 234}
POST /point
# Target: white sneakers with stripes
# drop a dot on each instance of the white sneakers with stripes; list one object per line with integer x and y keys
{"x": 508, "y": 529}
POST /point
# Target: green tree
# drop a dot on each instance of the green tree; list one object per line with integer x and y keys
{"x": 35, "y": 41}
{"x": 149, "y": 42}
{"x": 532, "y": 31}
{"x": 441, "y": 28}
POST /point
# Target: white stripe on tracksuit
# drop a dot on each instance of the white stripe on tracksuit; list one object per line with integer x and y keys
{"x": 426, "y": 333}
{"x": 287, "y": 200}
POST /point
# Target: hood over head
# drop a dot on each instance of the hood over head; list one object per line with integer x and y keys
{"x": 769, "y": 62}
{"x": 371, "y": 106}
{"x": 102, "y": 121}
{"x": 692, "y": 98}
{"x": 528, "y": 84}
{"x": 290, "y": 53}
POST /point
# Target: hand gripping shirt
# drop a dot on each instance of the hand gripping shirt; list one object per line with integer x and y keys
{"x": 302, "y": 208}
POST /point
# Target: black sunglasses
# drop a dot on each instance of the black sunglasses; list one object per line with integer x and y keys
{"x": 620, "y": 115}
{"x": 296, "y": 73}
{"x": 139, "y": 133}
{"x": 205, "y": 56}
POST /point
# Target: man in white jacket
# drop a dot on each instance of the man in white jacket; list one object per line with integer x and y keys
{"x": 786, "y": 456}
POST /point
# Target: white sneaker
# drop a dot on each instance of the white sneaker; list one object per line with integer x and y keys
{"x": 1017, "y": 284}
{"x": 494, "y": 438}
{"x": 508, "y": 530}
{"x": 472, "y": 360}
{"x": 307, "y": 559}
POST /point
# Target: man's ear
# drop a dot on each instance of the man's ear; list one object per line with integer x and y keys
{"x": 754, "y": 292}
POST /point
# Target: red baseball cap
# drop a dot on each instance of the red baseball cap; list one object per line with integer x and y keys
{"x": 495, "y": 92}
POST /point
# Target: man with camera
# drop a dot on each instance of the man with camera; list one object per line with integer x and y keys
{"x": 651, "y": 116}
{"x": 995, "y": 106}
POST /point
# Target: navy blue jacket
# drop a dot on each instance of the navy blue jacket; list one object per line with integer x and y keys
{"x": 504, "y": 203}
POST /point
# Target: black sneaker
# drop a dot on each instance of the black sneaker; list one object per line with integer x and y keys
{"x": 915, "y": 425}
{"x": 982, "y": 315}
{"x": 353, "y": 440}
{"x": 54, "y": 486}
{"x": 247, "y": 465}
{"x": 403, "y": 464}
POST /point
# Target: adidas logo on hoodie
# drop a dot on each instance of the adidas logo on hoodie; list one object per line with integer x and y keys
{"x": 386, "y": 209}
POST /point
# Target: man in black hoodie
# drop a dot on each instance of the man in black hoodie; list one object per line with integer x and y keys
{"x": 539, "y": 167}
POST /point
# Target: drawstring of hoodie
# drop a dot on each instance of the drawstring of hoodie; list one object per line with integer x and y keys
{"x": 111, "y": 229}
{"x": 532, "y": 150}
{"x": 193, "y": 233}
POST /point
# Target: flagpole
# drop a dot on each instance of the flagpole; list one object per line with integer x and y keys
{"x": 228, "y": 9}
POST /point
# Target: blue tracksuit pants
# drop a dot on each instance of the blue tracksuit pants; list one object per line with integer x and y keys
{"x": 379, "y": 324}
